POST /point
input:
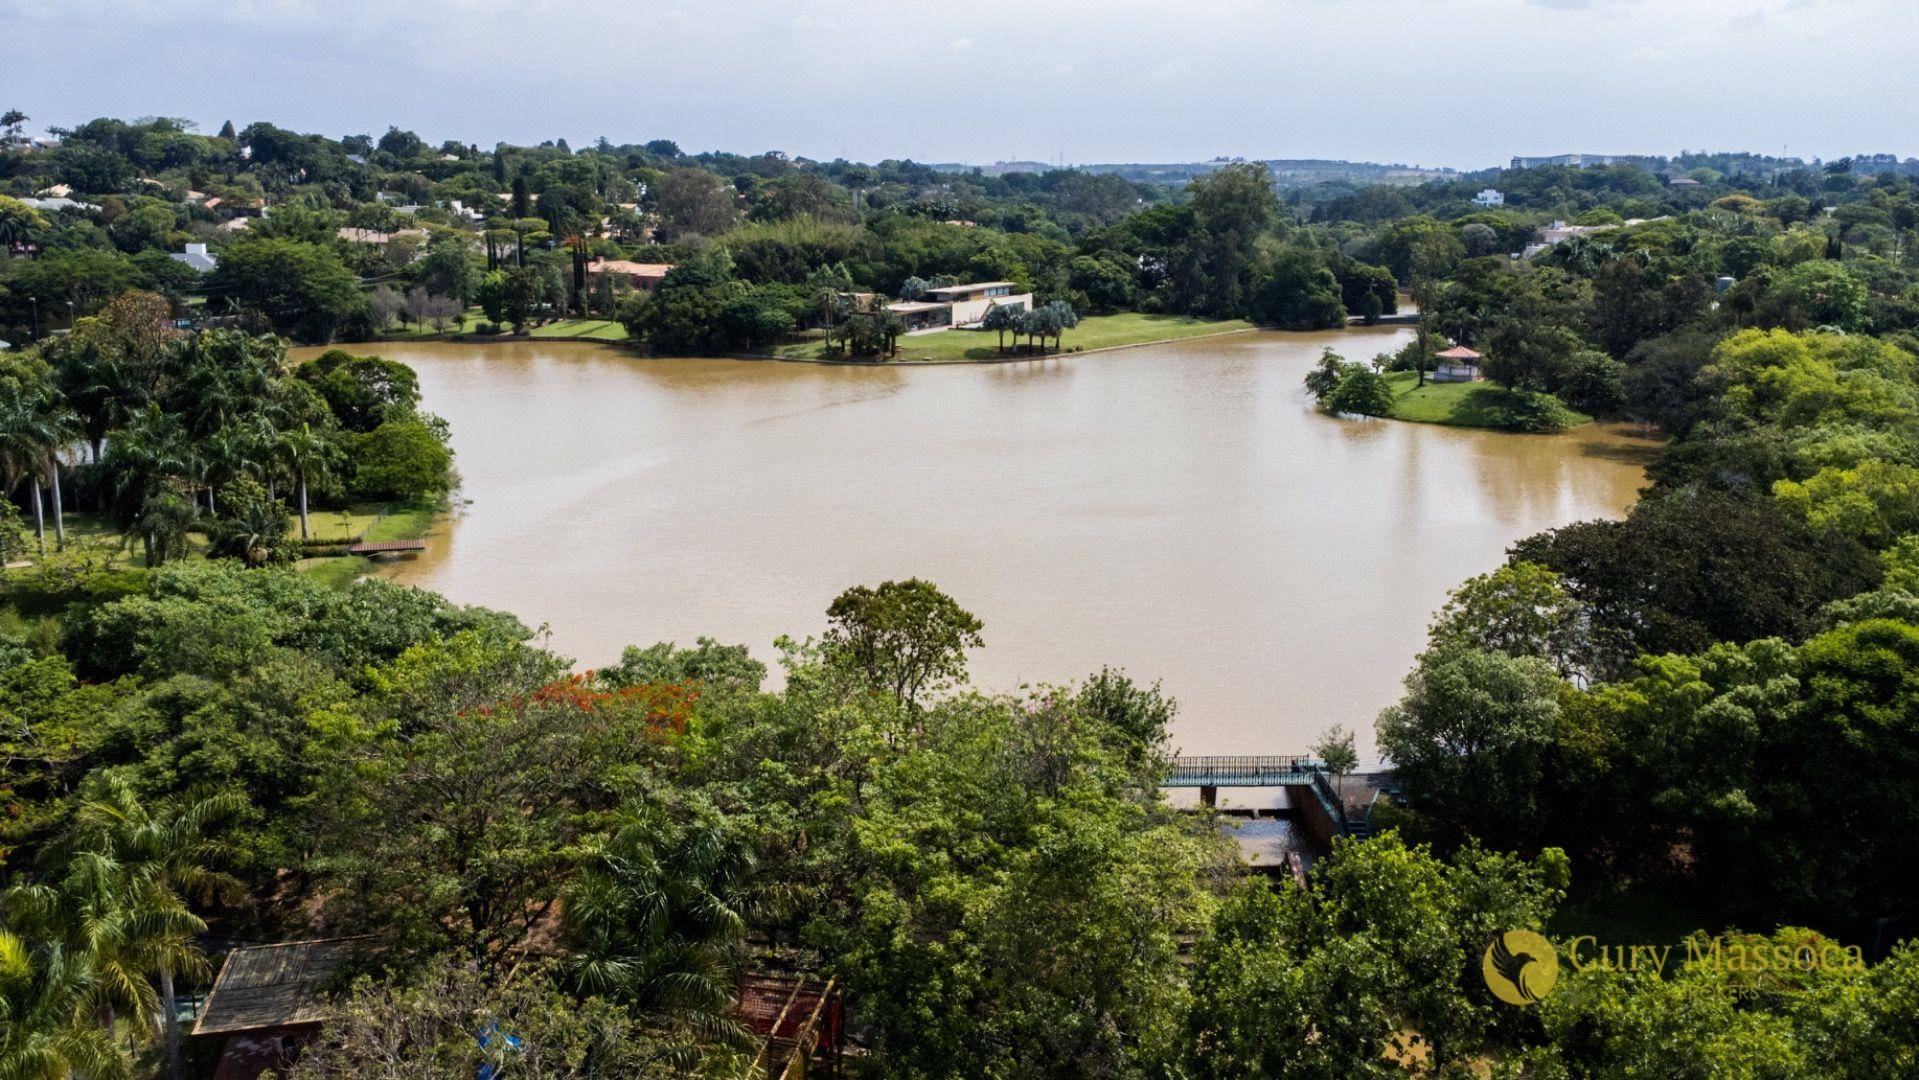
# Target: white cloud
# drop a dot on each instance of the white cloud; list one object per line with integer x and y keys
{"x": 1171, "y": 71}
{"x": 1146, "y": 80}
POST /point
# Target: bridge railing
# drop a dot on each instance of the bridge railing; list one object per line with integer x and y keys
{"x": 1240, "y": 770}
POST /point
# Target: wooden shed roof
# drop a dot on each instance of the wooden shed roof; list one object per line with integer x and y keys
{"x": 268, "y": 986}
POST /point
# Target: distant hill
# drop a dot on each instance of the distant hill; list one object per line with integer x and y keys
{"x": 1287, "y": 172}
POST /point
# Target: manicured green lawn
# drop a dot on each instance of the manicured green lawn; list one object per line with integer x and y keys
{"x": 1461, "y": 404}
{"x": 1093, "y": 332}
{"x": 368, "y": 523}
{"x": 92, "y": 539}
{"x": 589, "y": 329}
{"x": 397, "y": 332}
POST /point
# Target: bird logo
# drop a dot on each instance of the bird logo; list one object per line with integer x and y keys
{"x": 1520, "y": 967}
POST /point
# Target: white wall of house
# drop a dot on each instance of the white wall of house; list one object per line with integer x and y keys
{"x": 969, "y": 312}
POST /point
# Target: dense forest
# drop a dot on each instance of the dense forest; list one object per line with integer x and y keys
{"x": 1696, "y": 724}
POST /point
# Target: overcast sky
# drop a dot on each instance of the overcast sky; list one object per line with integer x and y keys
{"x": 1466, "y": 83}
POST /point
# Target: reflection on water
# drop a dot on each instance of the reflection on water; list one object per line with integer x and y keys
{"x": 1178, "y": 510}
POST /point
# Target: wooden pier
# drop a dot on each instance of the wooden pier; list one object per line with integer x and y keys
{"x": 372, "y": 548}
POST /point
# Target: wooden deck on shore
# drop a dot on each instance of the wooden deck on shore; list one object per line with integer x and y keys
{"x": 386, "y": 547}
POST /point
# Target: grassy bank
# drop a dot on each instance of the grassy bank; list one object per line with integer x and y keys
{"x": 1461, "y": 404}
{"x": 100, "y": 563}
{"x": 560, "y": 329}
{"x": 399, "y": 522}
{"x": 581, "y": 329}
{"x": 1093, "y": 332}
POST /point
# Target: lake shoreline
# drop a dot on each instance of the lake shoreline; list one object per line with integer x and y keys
{"x": 1126, "y": 513}
{"x": 626, "y": 346}
{"x": 931, "y": 363}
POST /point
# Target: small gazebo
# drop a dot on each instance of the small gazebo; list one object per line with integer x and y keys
{"x": 1457, "y": 364}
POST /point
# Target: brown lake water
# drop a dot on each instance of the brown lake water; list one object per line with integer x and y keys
{"x": 1178, "y": 510}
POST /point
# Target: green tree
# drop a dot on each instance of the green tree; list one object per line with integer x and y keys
{"x": 1874, "y": 503}
{"x": 714, "y": 667}
{"x": 1216, "y": 263}
{"x": 1472, "y": 738}
{"x": 302, "y": 289}
{"x": 109, "y": 366}
{"x": 1336, "y": 752}
{"x": 1001, "y": 318}
{"x": 448, "y": 1019}
{"x": 311, "y": 455}
{"x": 1382, "y": 949}
{"x": 1331, "y": 370}
{"x": 447, "y": 802}
{"x": 1520, "y": 609}
{"x": 35, "y": 426}
{"x": 1139, "y": 717}
{"x": 253, "y": 527}
{"x": 1298, "y": 292}
{"x": 1687, "y": 569}
{"x": 658, "y": 919}
{"x": 401, "y": 459}
{"x": 46, "y": 995}
{"x": 510, "y": 295}
{"x": 117, "y": 893}
{"x": 1361, "y": 392}
{"x": 905, "y": 637}
{"x": 362, "y": 392}
{"x": 693, "y": 202}
{"x": 19, "y": 222}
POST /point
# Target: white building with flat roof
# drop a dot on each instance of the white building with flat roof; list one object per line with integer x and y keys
{"x": 970, "y": 303}
{"x": 1489, "y": 197}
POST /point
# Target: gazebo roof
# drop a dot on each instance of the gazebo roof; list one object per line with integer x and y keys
{"x": 1458, "y": 352}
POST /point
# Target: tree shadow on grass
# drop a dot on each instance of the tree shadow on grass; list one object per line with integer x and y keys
{"x": 1485, "y": 406}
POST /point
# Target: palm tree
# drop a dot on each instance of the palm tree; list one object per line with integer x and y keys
{"x": 118, "y": 898}
{"x": 46, "y": 1032}
{"x": 310, "y": 455}
{"x": 143, "y": 460}
{"x": 659, "y": 918}
{"x": 35, "y": 425}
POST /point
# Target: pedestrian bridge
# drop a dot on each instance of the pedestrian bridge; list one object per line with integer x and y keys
{"x": 1239, "y": 771}
{"x": 1310, "y": 793}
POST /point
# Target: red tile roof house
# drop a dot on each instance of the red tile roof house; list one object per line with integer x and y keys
{"x": 645, "y": 277}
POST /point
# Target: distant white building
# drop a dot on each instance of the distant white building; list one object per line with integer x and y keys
{"x": 1559, "y": 232}
{"x": 958, "y": 305}
{"x": 197, "y": 256}
{"x": 1489, "y": 197}
{"x": 59, "y": 202}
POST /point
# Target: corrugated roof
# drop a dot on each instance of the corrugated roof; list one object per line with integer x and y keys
{"x": 265, "y": 986}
